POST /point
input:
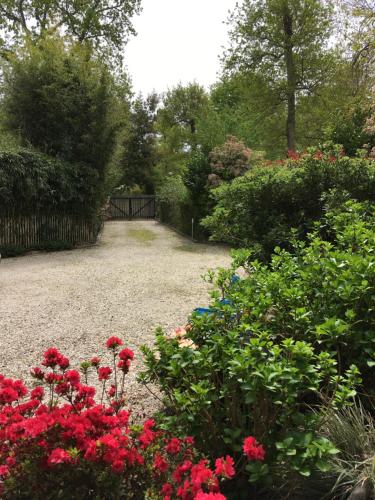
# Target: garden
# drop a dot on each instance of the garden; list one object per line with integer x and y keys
{"x": 266, "y": 389}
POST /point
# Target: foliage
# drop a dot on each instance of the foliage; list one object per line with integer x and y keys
{"x": 139, "y": 145}
{"x": 64, "y": 102}
{"x": 263, "y": 206}
{"x": 353, "y": 432}
{"x": 102, "y": 23}
{"x": 31, "y": 181}
{"x": 59, "y": 443}
{"x": 349, "y": 127}
{"x": 285, "y": 41}
{"x": 288, "y": 336}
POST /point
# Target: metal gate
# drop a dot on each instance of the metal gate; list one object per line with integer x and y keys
{"x": 132, "y": 207}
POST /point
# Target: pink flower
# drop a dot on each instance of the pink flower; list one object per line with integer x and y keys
{"x": 113, "y": 343}
{"x": 253, "y": 450}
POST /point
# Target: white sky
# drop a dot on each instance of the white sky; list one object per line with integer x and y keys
{"x": 177, "y": 41}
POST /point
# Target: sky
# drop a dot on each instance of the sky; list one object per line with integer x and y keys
{"x": 177, "y": 41}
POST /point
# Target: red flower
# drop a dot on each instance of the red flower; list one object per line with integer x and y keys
{"x": 64, "y": 363}
{"x": 209, "y": 496}
{"x": 4, "y": 471}
{"x": 37, "y": 373}
{"x": 126, "y": 354}
{"x": 124, "y": 365}
{"x": 104, "y": 373}
{"x": 113, "y": 343}
{"x": 167, "y": 489}
{"x": 160, "y": 464}
{"x": 95, "y": 361}
{"x": 173, "y": 447}
{"x": 59, "y": 456}
{"x": 37, "y": 393}
{"x": 225, "y": 467}
{"x": 253, "y": 450}
{"x": 52, "y": 357}
{"x": 118, "y": 466}
{"x": 73, "y": 377}
{"x": 8, "y": 396}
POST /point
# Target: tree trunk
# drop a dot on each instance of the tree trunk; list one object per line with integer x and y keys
{"x": 291, "y": 80}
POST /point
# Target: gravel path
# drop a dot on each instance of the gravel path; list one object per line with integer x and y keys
{"x": 141, "y": 275}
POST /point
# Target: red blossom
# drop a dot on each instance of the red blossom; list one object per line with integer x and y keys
{"x": 126, "y": 354}
{"x": 95, "y": 361}
{"x": 52, "y": 357}
{"x": 160, "y": 464}
{"x": 253, "y": 450}
{"x": 173, "y": 446}
{"x": 225, "y": 467}
{"x": 59, "y": 456}
{"x": 4, "y": 470}
{"x": 113, "y": 343}
{"x": 73, "y": 377}
{"x": 209, "y": 496}
{"x": 64, "y": 363}
{"x": 37, "y": 393}
{"x": 104, "y": 373}
{"x": 37, "y": 373}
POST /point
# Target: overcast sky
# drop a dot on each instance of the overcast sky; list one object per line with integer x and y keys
{"x": 178, "y": 41}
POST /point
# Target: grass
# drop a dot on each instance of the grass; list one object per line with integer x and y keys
{"x": 142, "y": 235}
{"x": 194, "y": 248}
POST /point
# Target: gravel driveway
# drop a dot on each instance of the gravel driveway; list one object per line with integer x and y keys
{"x": 139, "y": 276}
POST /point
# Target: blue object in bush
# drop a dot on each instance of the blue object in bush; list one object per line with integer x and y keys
{"x": 203, "y": 310}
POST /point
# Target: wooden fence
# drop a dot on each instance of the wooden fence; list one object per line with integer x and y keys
{"x": 38, "y": 230}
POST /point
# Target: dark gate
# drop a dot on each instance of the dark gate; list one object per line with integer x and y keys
{"x": 132, "y": 207}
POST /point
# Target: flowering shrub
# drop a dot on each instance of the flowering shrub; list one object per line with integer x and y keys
{"x": 260, "y": 208}
{"x": 57, "y": 442}
{"x": 289, "y": 336}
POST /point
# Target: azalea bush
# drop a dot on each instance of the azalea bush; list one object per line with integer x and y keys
{"x": 273, "y": 347}
{"x": 260, "y": 208}
{"x": 58, "y": 441}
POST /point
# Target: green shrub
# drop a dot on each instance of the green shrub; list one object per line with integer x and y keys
{"x": 31, "y": 181}
{"x": 263, "y": 206}
{"x": 289, "y": 336}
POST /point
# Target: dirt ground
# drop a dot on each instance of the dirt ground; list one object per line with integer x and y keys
{"x": 139, "y": 276}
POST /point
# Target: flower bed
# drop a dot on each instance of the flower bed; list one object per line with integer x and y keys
{"x": 57, "y": 441}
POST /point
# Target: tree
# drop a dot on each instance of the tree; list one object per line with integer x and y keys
{"x": 182, "y": 106}
{"x": 286, "y": 42}
{"x": 63, "y": 101}
{"x": 139, "y": 146}
{"x": 101, "y": 22}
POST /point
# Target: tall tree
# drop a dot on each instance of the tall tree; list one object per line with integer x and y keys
{"x": 105, "y": 23}
{"x": 286, "y": 42}
{"x": 182, "y": 106}
{"x": 139, "y": 146}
